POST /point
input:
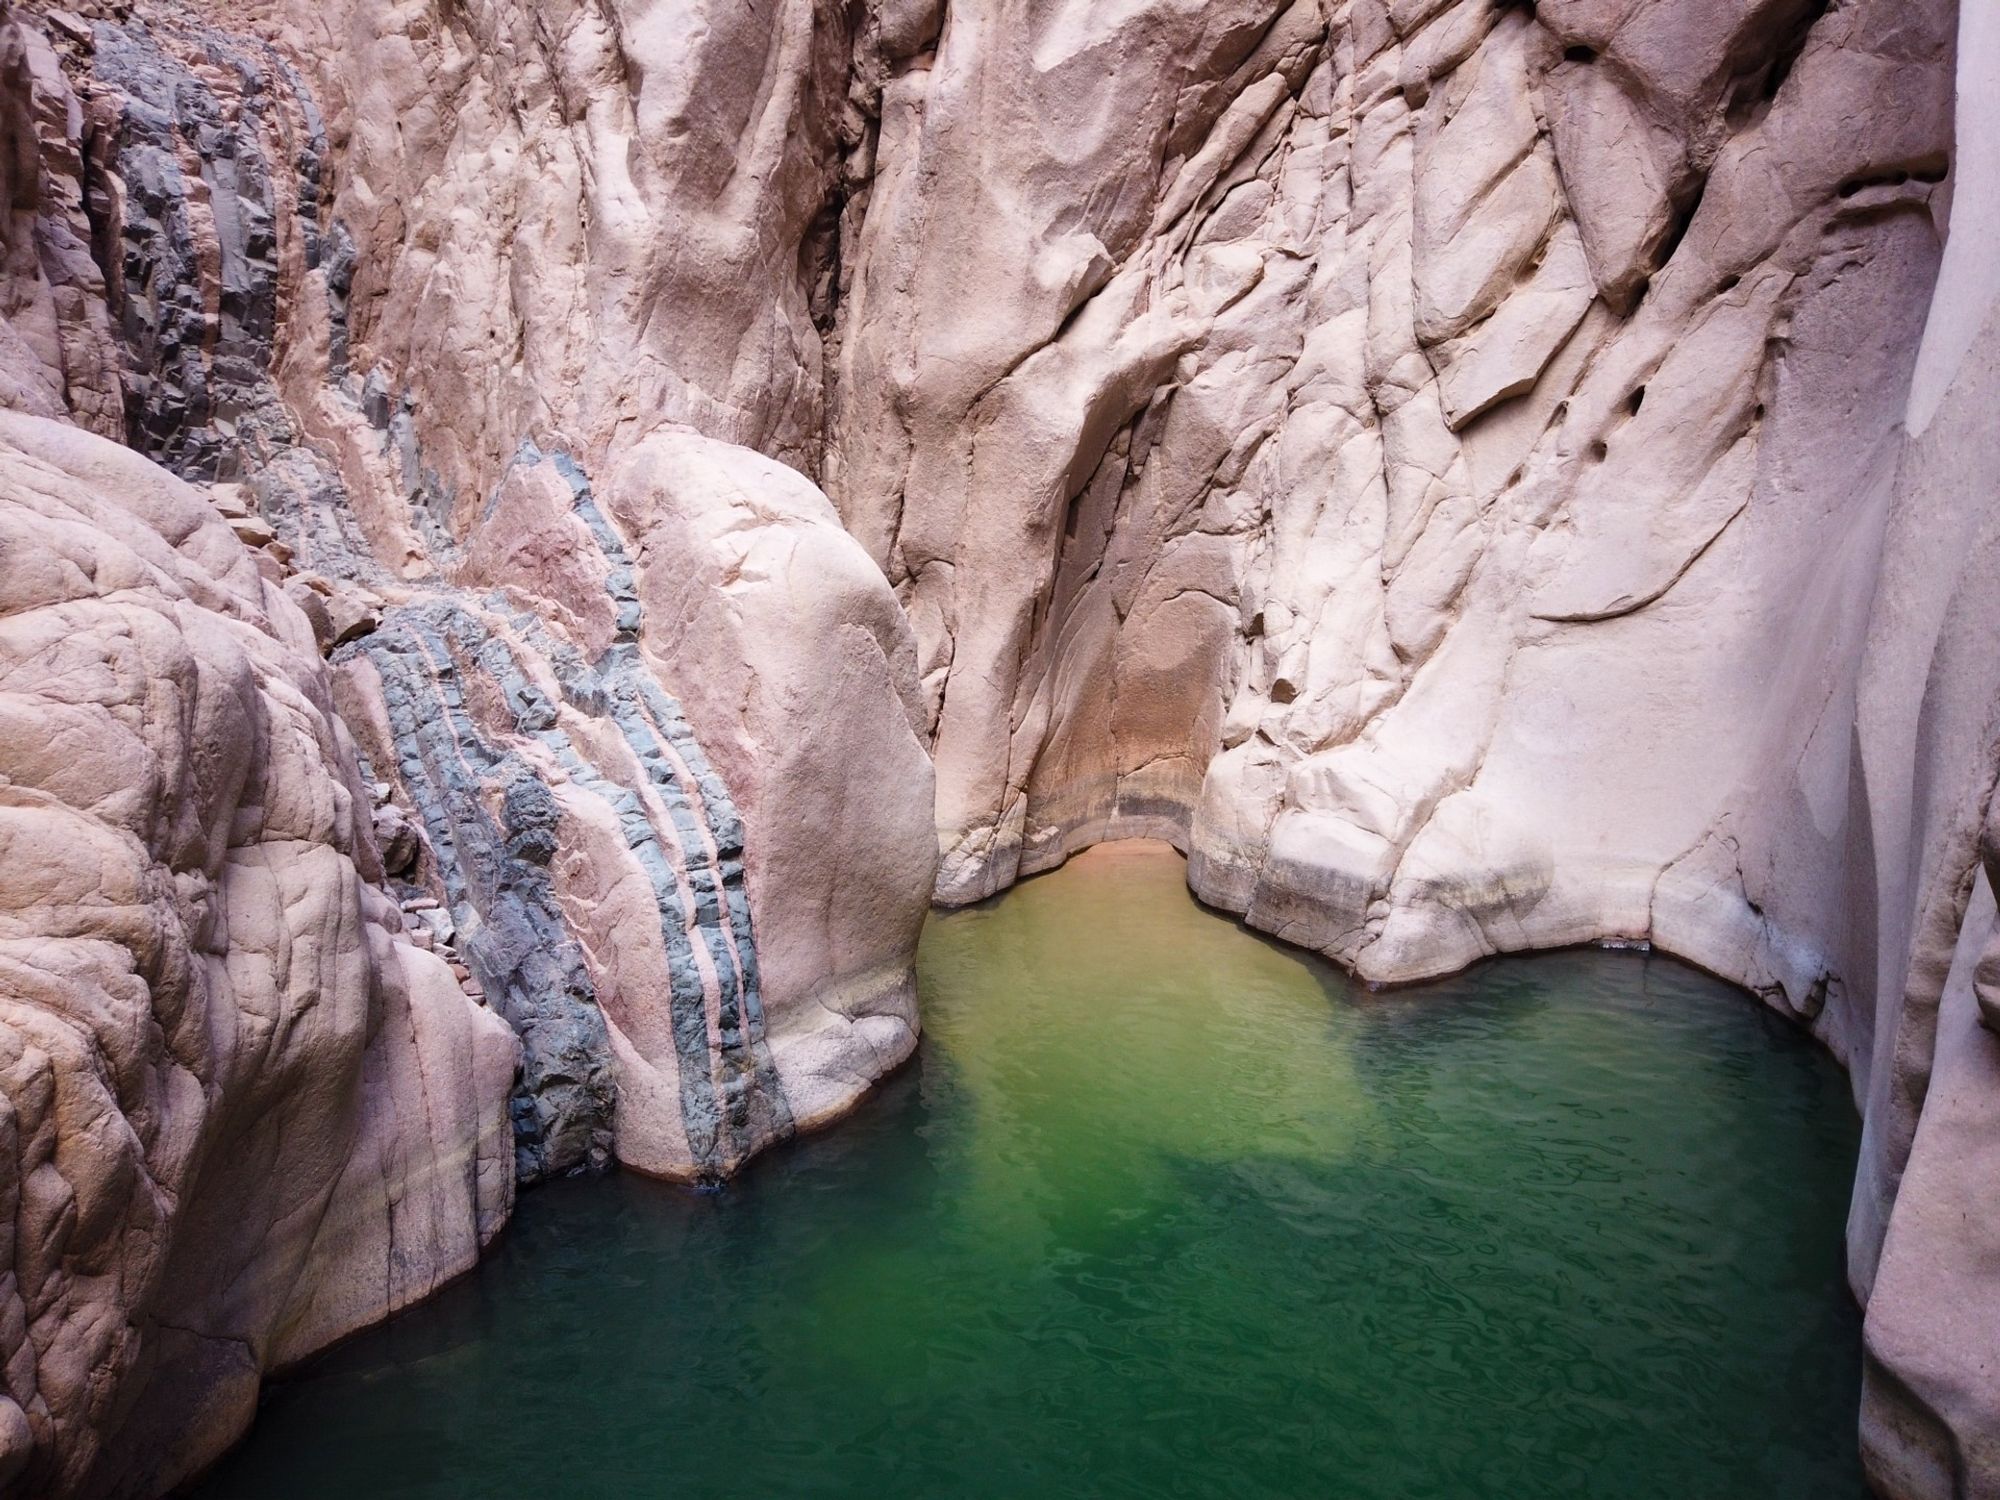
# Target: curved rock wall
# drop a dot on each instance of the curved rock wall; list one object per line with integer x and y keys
{"x": 1453, "y": 466}
{"x": 1430, "y": 384}
{"x": 1446, "y": 465}
{"x": 1920, "y": 937}
{"x": 244, "y": 1115}
{"x": 488, "y": 552}
{"x": 617, "y": 845}
{"x": 567, "y": 327}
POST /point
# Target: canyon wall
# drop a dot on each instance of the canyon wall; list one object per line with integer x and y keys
{"x": 241, "y": 1113}
{"x": 1476, "y": 476}
{"x": 432, "y": 772}
{"x": 1455, "y": 470}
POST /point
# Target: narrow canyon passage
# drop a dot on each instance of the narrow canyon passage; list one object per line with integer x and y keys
{"x": 1165, "y": 1209}
{"x": 543, "y": 542}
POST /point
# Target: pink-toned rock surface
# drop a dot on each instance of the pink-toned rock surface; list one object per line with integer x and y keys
{"x": 360, "y": 944}
{"x": 243, "y": 1115}
{"x": 1477, "y": 476}
{"x": 1450, "y": 467}
{"x": 576, "y": 419}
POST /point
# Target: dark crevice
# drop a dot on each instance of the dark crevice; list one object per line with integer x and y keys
{"x": 819, "y": 259}
{"x": 1759, "y": 76}
{"x": 1929, "y": 170}
{"x": 1683, "y": 220}
{"x": 1790, "y": 46}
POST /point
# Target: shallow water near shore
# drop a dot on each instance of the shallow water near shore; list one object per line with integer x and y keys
{"x": 1164, "y": 1209}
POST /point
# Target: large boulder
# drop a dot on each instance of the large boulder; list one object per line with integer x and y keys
{"x": 243, "y": 1115}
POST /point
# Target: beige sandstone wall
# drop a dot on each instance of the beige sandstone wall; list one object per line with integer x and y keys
{"x": 1447, "y": 466}
{"x": 604, "y": 834}
{"x": 1923, "y": 1237}
{"x": 1453, "y": 467}
{"x": 243, "y": 1114}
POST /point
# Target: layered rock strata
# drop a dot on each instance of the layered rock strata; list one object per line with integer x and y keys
{"x": 1476, "y": 475}
{"x": 548, "y": 906}
{"x": 474, "y": 608}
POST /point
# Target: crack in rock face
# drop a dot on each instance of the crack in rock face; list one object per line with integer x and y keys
{"x": 538, "y": 542}
{"x": 490, "y": 896}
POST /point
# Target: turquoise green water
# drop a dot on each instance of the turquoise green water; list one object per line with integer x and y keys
{"x": 1165, "y": 1210}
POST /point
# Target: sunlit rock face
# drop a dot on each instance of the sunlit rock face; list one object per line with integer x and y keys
{"x": 1476, "y": 476}
{"x": 1347, "y": 444}
{"x": 241, "y": 1113}
{"x": 559, "y": 367}
{"x": 1452, "y": 468}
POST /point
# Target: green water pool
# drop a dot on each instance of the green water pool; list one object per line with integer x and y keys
{"x": 1163, "y": 1209}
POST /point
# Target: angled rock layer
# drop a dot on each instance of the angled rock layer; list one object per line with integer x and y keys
{"x": 615, "y": 773}
{"x": 1476, "y": 475}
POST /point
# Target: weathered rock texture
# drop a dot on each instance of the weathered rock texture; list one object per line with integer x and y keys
{"x": 1476, "y": 475}
{"x": 606, "y": 833}
{"x": 1446, "y": 465}
{"x": 656, "y": 711}
{"x": 243, "y": 1114}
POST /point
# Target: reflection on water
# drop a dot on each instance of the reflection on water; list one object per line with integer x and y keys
{"x": 1166, "y": 1210}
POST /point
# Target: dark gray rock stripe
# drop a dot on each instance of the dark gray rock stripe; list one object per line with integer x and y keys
{"x": 621, "y": 687}
{"x": 197, "y": 398}
{"x": 501, "y": 896}
{"x": 702, "y": 1114}
{"x": 309, "y": 158}
{"x": 722, "y": 879}
{"x": 303, "y": 498}
{"x": 642, "y": 710}
{"x": 753, "y": 1103}
{"x": 725, "y": 829}
{"x": 200, "y": 400}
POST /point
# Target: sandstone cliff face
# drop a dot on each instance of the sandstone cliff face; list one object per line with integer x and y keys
{"x": 560, "y": 333}
{"x": 244, "y": 1115}
{"x": 240, "y": 1113}
{"x": 1429, "y": 385}
{"x": 1454, "y": 467}
{"x": 1447, "y": 467}
{"x": 605, "y": 834}
{"x": 490, "y": 549}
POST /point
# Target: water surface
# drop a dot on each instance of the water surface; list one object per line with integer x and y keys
{"x": 1165, "y": 1210}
